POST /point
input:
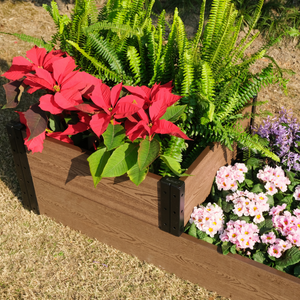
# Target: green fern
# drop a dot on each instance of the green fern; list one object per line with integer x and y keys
{"x": 30, "y": 39}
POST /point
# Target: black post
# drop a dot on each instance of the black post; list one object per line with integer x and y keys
{"x": 14, "y": 130}
{"x": 253, "y": 112}
{"x": 172, "y": 205}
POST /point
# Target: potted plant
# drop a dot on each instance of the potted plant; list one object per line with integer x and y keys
{"x": 208, "y": 75}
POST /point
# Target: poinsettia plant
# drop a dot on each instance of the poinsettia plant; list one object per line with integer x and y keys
{"x": 125, "y": 124}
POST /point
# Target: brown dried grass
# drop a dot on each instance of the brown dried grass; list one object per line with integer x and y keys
{"x": 41, "y": 259}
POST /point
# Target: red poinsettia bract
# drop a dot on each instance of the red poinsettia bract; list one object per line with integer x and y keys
{"x": 144, "y": 125}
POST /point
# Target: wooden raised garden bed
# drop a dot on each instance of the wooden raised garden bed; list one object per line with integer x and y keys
{"x": 139, "y": 220}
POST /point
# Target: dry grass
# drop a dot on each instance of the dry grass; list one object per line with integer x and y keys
{"x": 41, "y": 259}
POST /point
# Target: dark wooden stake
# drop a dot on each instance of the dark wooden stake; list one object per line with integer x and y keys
{"x": 172, "y": 205}
{"x": 14, "y": 130}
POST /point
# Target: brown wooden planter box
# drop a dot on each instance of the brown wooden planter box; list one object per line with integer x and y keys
{"x": 58, "y": 183}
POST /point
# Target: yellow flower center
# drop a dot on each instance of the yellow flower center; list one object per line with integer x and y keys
{"x": 56, "y": 88}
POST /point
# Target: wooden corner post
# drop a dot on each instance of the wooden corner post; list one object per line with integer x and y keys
{"x": 172, "y": 205}
{"x": 14, "y": 130}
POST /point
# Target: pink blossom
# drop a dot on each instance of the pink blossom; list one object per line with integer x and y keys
{"x": 275, "y": 210}
{"x": 208, "y": 219}
{"x": 274, "y": 251}
{"x": 271, "y": 188}
{"x": 268, "y": 238}
{"x": 297, "y": 193}
{"x": 283, "y": 245}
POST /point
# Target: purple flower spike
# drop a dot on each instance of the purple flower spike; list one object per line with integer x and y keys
{"x": 283, "y": 134}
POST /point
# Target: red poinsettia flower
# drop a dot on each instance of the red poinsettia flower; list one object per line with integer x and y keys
{"x": 40, "y": 59}
{"x": 150, "y": 126}
{"x": 108, "y": 107}
{"x": 35, "y": 144}
{"x": 61, "y": 137}
{"x": 156, "y": 92}
{"x": 82, "y": 125}
{"x": 66, "y": 85}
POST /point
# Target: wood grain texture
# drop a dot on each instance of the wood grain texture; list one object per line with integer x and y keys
{"x": 203, "y": 171}
{"x": 67, "y": 168}
{"x": 191, "y": 259}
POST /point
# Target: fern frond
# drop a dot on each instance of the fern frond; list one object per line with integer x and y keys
{"x": 188, "y": 75}
{"x": 30, "y": 39}
{"x": 124, "y": 29}
{"x": 197, "y": 37}
{"x": 174, "y": 149}
{"x": 207, "y": 81}
{"x": 219, "y": 51}
{"x": 103, "y": 70}
{"x": 246, "y": 140}
{"x": 213, "y": 23}
{"x": 102, "y": 47}
{"x": 135, "y": 63}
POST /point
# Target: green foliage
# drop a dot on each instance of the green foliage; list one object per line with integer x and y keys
{"x": 121, "y": 43}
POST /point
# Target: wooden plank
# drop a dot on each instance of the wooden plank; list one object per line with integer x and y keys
{"x": 191, "y": 259}
{"x": 204, "y": 170}
{"x": 68, "y": 169}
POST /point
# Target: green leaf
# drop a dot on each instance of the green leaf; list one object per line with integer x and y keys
{"x": 201, "y": 234}
{"x": 187, "y": 227}
{"x": 227, "y": 206}
{"x": 291, "y": 257}
{"x": 136, "y": 175}
{"x": 226, "y": 247}
{"x": 97, "y": 162}
{"x": 173, "y": 113}
{"x": 293, "y": 32}
{"x": 113, "y": 136}
{"x": 279, "y": 268}
{"x": 249, "y": 182}
{"x": 233, "y": 249}
{"x": 193, "y": 231}
{"x": 288, "y": 200}
{"x": 148, "y": 152}
{"x": 270, "y": 200}
{"x": 297, "y": 270}
{"x": 122, "y": 159}
{"x": 253, "y": 162}
{"x": 290, "y": 175}
{"x": 265, "y": 226}
{"x": 174, "y": 165}
{"x": 55, "y": 123}
{"x": 258, "y": 188}
{"x": 208, "y": 239}
{"x": 259, "y": 257}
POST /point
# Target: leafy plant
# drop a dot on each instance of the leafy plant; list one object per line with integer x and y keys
{"x": 123, "y": 130}
{"x": 211, "y": 72}
{"x": 253, "y": 210}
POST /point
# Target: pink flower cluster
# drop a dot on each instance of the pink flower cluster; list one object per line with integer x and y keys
{"x": 249, "y": 204}
{"x": 297, "y": 193}
{"x": 242, "y": 234}
{"x": 208, "y": 218}
{"x": 227, "y": 177}
{"x": 277, "y": 246}
{"x": 275, "y": 179}
{"x": 287, "y": 224}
